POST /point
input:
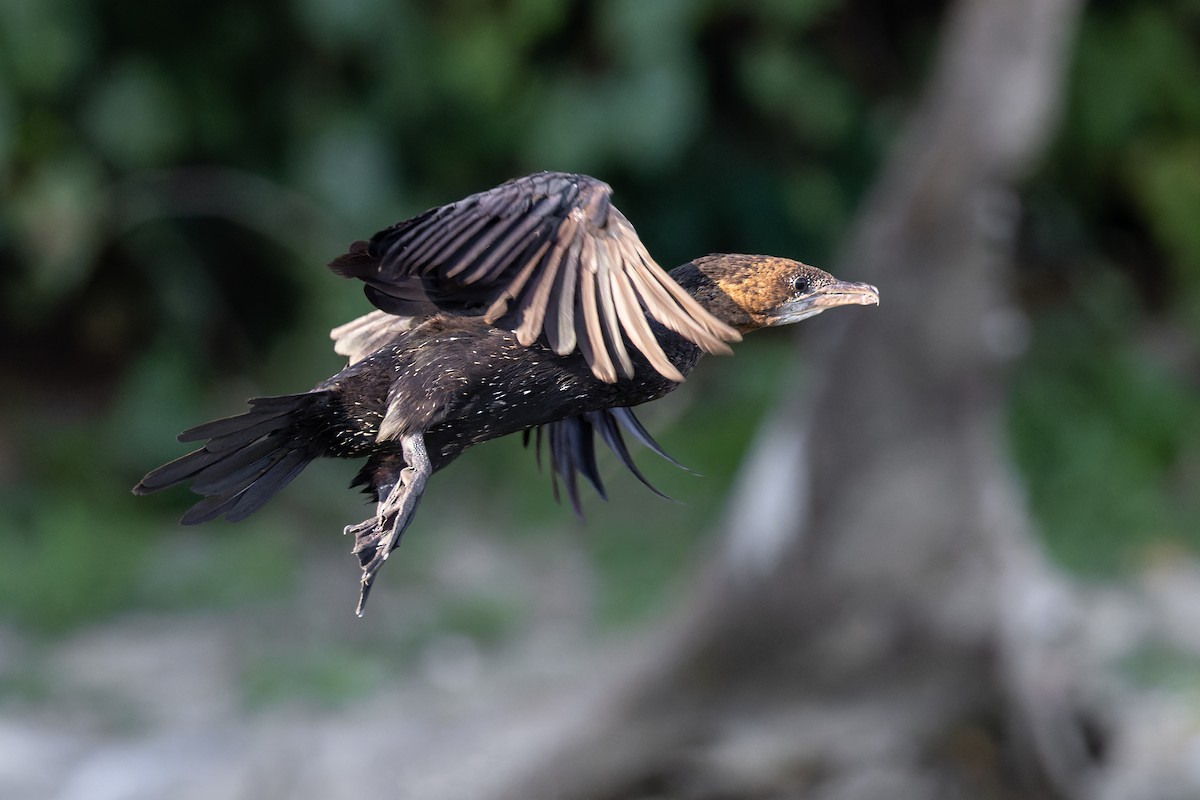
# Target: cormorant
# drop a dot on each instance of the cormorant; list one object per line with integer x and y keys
{"x": 532, "y": 306}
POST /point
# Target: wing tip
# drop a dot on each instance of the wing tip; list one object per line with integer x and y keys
{"x": 349, "y": 264}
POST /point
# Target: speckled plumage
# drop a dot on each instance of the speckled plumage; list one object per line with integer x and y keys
{"x": 530, "y": 307}
{"x": 463, "y": 382}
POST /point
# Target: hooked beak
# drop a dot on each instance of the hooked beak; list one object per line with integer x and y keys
{"x": 838, "y": 293}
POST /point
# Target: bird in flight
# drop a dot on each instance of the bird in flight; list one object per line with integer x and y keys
{"x": 529, "y": 307}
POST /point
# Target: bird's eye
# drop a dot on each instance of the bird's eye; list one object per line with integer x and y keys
{"x": 801, "y": 285}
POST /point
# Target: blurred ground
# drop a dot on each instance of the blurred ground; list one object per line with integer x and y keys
{"x": 297, "y": 698}
{"x": 170, "y": 706}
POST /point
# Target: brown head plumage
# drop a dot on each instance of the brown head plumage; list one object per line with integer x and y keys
{"x": 748, "y": 292}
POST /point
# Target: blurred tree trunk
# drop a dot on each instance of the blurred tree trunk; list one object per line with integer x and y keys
{"x": 881, "y": 624}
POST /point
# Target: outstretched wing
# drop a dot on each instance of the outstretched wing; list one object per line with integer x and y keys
{"x": 544, "y": 255}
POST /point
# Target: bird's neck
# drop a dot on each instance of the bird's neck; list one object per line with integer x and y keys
{"x": 710, "y": 281}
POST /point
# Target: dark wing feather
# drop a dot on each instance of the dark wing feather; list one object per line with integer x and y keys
{"x": 544, "y": 255}
{"x": 572, "y": 448}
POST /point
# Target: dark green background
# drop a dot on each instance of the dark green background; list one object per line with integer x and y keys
{"x": 175, "y": 176}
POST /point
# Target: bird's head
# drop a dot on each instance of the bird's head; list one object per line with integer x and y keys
{"x": 751, "y": 292}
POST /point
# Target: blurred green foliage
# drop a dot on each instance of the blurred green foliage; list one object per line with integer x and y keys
{"x": 174, "y": 182}
{"x": 1106, "y": 411}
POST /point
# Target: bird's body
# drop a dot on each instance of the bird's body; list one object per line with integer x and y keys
{"x": 530, "y": 307}
{"x": 462, "y": 381}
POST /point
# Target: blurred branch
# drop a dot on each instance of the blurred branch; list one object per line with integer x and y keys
{"x": 280, "y": 215}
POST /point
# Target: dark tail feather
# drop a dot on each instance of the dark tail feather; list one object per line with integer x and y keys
{"x": 248, "y": 458}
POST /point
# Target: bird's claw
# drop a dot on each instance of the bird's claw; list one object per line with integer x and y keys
{"x": 376, "y": 537}
{"x": 366, "y": 538}
{"x": 370, "y": 569}
{"x": 374, "y": 542}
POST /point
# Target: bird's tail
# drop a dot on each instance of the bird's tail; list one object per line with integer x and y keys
{"x": 248, "y": 458}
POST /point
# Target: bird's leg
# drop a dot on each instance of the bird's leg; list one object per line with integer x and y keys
{"x": 375, "y": 541}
